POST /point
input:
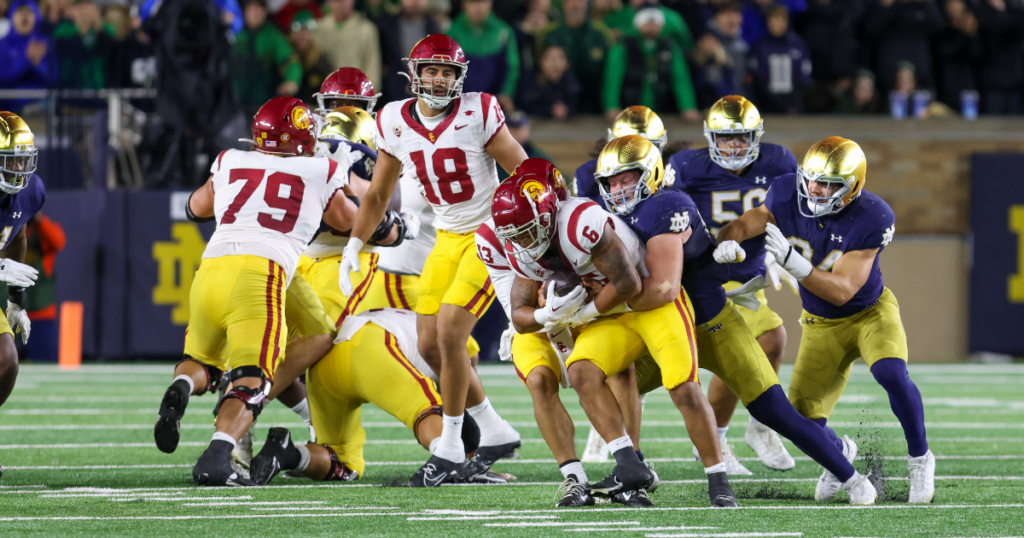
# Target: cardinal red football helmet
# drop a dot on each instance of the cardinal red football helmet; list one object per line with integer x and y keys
{"x": 524, "y": 209}
{"x": 347, "y": 83}
{"x": 436, "y": 49}
{"x": 552, "y": 176}
{"x": 284, "y": 126}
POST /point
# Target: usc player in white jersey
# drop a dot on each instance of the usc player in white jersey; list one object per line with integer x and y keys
{"x": 268, "y": 203}
{"x": 449, "y": 142}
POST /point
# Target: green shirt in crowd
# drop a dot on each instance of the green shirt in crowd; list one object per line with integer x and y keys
{"x": 675, "y": 26}
{"x": 484, "y": 46}
{"x": 615, "y": 73}
{"x": 586, "y": 46}
{"x": 263, "y": 60}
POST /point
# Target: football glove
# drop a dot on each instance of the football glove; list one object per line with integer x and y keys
{"x": 746, "y": 295}
{"x": 19, "y": 321}
{"x": 777, "y": 276}
{"x": 17, "y": 273}
{"x": 412, "y": 225}
{"x": 580, "y": 317}
{"x": 349, "y": 262}
{"x": 559, "y": 308}
{"x": 505, "y": 346}
{"x": 790, "y": 260}
{"x": 729, "y": 252}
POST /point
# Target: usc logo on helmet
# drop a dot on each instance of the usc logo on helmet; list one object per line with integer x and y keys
{"x": 534, "y": 189}
{"x": 300, "y": 118}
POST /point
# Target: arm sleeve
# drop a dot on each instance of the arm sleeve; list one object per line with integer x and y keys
{"x": 614, "y": 72}
{"x": 502, "y": 282}
{"x": 337, "y": 178}
{"x": 493, "y": 118}
{"x": 681, "y": 83}
{"x": 586, "y": 226}
{"x": 378, "y": 135}
{"x": 878, "y": 231}
{"x": 780, "y": 193}
{"x": 218, "y": 162}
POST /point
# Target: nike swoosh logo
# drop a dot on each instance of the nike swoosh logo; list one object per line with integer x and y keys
{"x": 436, "y": 481}
{"x": 457, "y": 127}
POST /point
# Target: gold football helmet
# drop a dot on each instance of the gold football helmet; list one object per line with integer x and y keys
{"x": 630, "y": 152}
{"x": 836, "y": 162}
{"x": 734, "y": 115}
{"x": 349, "y": 123}
{"x": 18, "y": 153}
{"x": 639, "y": 120}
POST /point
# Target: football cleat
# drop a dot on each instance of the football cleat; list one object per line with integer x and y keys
{"x": 720, "y": 491}
{"x": 484, "y": 457}
{"x": 733, "y": 466}
{"x": 573, "y": 494}
{"x": 167, "y": 430}
{"x": 1, "y": 471}
{"x": 828, "y": 484}
{"x": 768, "y": 446}
{"x": 922, "y": 478}
{"x": 860, "y": 489}
{"x": 597, "y": 449}
{"x": 489, "y": 478}
{"x": 623, "y": 478}
{"x": 654, "y": 483}
{"x": 634, "y": 499}
{"x": 435, "y": 472}
{"x": 242, "y": 452}
{"x": 214, "y": 468}
{"x": 278, "y": 453}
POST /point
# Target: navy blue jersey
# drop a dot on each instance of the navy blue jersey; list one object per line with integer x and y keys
{"x": 361, "y": 165}
{"x": 670, "y": 211}
{"x": 867, "y": 223}
{"x": 17, "y": 209}
{"x": 586, "y": 181}
{"x": 722, "y": 197}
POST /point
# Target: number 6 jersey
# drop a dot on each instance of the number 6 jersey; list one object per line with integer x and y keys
{"x": 270, "y": 206}
{"x": 450, "y": 162}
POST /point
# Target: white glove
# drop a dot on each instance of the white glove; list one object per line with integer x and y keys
{"x": 505, "y": 346}
{"x": 581, "y": 316}
{"x": 412, "y": 225}
{"x": 17, "y": 273}
{"x": 559, "y": 308}
{"x": 729, "y": 252}
{"x": 790, "y": 260}
{"x": 746, "y": 295}
{"x": 19, "y": 321}
{"x": 777, "y": 276}
{"x": 349, "y": 262}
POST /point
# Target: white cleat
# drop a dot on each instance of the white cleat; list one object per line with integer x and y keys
{"x": 242, "y": 453}
{"x": 597, "y": 449}
{"x": 733, "y": 467}
{"x": 828, "y": 484}
{"x": 768, "y": 446}
{"x": 922, "y": 478}
{"x": 860, "y": 489}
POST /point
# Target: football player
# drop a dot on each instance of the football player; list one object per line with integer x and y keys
{"x": 347, "y": 86}
{"x": 637, "y": 120}
{"x": 541, "y": 235}
{"x": 680, "y": 250}
{"x": 449, "y": 141}
{"x": 732, "y": 176}
{"x": 22, "y": 195}
{"x": 828, "y": 232}
{"x": 267, "y": 209}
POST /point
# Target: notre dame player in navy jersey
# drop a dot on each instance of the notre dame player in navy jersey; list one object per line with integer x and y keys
{"x": 634, "y": 120}
{"x": 680, "y": 250}
{"x": 22, "y": 195}
{"x": 731, "y": 176}
{"x": 828, "y": 232}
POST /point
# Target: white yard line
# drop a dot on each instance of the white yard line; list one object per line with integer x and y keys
{"x": 176, "y": 499}
{"x": 724, "y": 535}
{"x": 474, "y": 518}
{"x": 624, "y": 524}
{"x": 295, "y": 504}
{"x": 323, "y": 508}
{"x": 636, "y": 529}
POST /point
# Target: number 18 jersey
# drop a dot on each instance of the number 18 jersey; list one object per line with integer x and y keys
{"x": 455, "y": 173}
{"x": 270, "y": 206}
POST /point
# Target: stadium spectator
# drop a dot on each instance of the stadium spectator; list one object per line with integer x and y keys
{"x": 756, "y": 13}
{"x": 315, "y": 66}
{"x": 726, "y": 26}
{"x": 5, "y": 22}
{"x": 830, "y": 29}
{"x": 660, "y": 82}
{"x": 551, "y": 91}
{"x": 959, "y": 50}
{"x": 713, "y": 71}
{"x": 538, "y": 17}
{"x": 45, "y": 239}
{"x": 283, "y": 18}
{"x": 349, "y": 39}
{"x": 491, "y": 48}
{"x": 1001, "y": 27}
{"x": 861, "y": 97}
{"x": 901, "y": 31}
{"x": 398, "y": 35}
{"x": 586, "y": 43}
{"x": 230, "y": 11}
{"x": 695, "y": 13}
{"x": 54, "y": 12}
{"x": 519, "y": 127}
{"x": 621, "y": 22}
{"x": 780, "y": 65}
{"x": 130, "y": 47}
{"x": 27, "y": 58}
{"x": 83, "y": 46}
{"x": 264, "y": 63}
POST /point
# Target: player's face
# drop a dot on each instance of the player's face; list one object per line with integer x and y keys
{"x": 733, "y": 141}
{"x": 620, "y": 185}
{"x": 439, "y": 78}
{"x": 332, "y": 104}
{"x": 822, "y": 189}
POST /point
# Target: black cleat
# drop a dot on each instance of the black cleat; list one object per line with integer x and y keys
{"x": 720, "y": 492}
{"x": 278, "y": 454}
{"x": 574, "y": 494}
{"x": 167, "y": 430}
{"x": 485, "y": 456}
{"x": 623, "y": 478}
{"x": 637, "y": 498}
{"x": 214, "y": 468}
{"x": 435, "y": 472}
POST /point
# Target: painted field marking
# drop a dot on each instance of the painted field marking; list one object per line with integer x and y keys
{"x": 474, "y": 518}
{"x": 638, "y": 529}
{"x": 725, "y": 535}
{"x": 176, "y": 499}
{"x": 129, "y": 494}
{"x": 296, "y": 504}
{"x": 624, "y": 524}
{"x": 324, "y": 508}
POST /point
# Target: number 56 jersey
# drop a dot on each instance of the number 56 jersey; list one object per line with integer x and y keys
{"x": 450, "y": 162}
{"x": 270, "y": 206}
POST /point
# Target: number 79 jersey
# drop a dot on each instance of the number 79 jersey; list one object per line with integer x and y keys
{"x": 270, "y": 206}
{"x": 455, "y": 173}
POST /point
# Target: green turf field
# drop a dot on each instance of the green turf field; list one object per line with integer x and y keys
{"x": 78, "y": 457}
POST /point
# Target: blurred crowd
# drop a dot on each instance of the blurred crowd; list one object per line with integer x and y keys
{"x": 547, "y": 58}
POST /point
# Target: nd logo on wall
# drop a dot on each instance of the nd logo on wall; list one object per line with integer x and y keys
{"x": 177, "y": 263}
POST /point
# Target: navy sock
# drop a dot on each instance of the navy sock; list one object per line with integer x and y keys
{"x": 830, "y": 432}
{"x": 773, "y": 410}
{"x": 905, "y": 400}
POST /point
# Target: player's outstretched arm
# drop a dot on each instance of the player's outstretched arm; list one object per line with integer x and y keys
{"x": 504, "y": 149}
{"x": 524, "y": 304}
{"x": 368, "y": 218}
{"x": 848, "y": 275}
{"x": 199, "y": 207}
{"x": 750, "y": 224}
{"x": 664, "y": 261}
{"x": 612, "y": 259}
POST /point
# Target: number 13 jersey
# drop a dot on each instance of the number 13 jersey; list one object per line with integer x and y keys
{"x": 450, "y": 162}
{"x": 270, "y": 206}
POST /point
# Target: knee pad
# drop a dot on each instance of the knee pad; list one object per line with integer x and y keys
{"x": 254, "y": 399}
{"x": 338, "y": 471}
{"x": 213, "y": 374}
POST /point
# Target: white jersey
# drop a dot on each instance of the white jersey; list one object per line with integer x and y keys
{"x": 328, "y": 242}
{"x": 401, "y": 323}
{"x": 455, "y": 173}
{"x": 270, "y": 206}
{"x": 410, "y": 257}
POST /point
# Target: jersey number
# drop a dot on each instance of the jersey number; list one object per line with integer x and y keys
{"x": 590, "y": 235}
{"x": 485, "y": 254}
{"x": 718, "y": 200}
{"x": 272, "y": 196}
{"x": 456, "y": 186}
